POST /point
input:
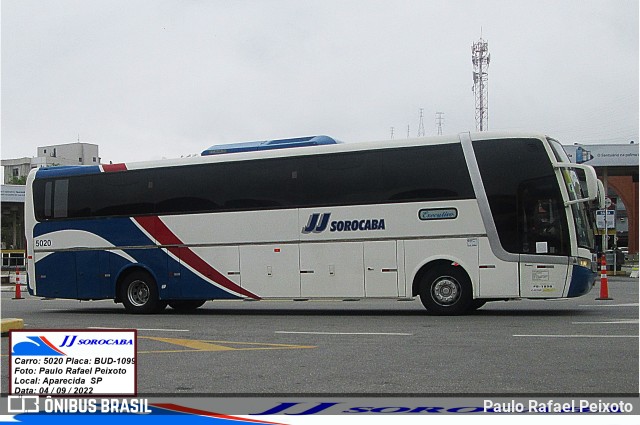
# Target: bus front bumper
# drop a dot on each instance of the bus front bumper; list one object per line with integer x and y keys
{"x": 582, "y": 280}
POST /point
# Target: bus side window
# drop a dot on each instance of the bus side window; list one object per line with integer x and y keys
{"x": 60, "y": 198}
{"x": 48, "y": 198}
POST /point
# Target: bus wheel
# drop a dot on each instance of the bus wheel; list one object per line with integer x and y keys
{"x": 139, "y": 294}
{"x": 446, "y": 290}
{"x": 186, "y": 305}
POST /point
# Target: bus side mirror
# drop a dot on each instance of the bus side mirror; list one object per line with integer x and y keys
{"x": 601, "y": 195}
{"x": 591, "y": 182}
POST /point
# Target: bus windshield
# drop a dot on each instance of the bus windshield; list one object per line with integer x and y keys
{"x": 584, "y": 223}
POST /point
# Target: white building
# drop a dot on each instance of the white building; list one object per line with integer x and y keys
{"x": 64, "y": 154}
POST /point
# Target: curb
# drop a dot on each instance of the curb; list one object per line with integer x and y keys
{"x": 11, "y": 324}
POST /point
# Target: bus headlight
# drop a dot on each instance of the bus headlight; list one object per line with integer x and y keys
{"x": 584, "y": 262}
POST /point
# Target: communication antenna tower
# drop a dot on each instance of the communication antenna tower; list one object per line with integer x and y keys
{"x": 480, "y": 58}
{"x": 439, "y": 121}
{"x": 392, "y": 129}
{"x": 421, "y": 132}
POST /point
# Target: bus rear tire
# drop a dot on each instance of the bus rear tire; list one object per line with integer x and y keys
{"x": 139, "y": 294}
{"x": 446, "y": 290}
{"x": 186, "y": 305}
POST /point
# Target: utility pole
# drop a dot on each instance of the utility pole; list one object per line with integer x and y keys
{"x": 439, "y": 121}
{"x": 421, "y": 132}
{"x": 480, "y": 58}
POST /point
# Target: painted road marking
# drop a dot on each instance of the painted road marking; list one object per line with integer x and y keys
{"x": 141, "y": 329}
{"x": 577, "y": 336}
{"x": 193, "y": 345}
{"x": 610, "y": 305}
{"x": 345, "y": 333}
{"x": 611, "y": 322}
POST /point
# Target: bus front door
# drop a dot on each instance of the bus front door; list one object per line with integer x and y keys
{"x": 544, "y": 236}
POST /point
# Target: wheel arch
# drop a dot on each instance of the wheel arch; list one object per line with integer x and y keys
{"x": 126, "y": 271}
{"x": 432, "y": 263}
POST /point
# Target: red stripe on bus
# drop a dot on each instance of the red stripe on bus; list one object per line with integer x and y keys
{"x": 156, "y": 228}
{"x": 114, "y": 167}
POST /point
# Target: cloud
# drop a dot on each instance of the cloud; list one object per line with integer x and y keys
{"x": 151, "y": 79}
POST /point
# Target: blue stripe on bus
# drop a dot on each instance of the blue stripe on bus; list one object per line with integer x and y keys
{"x": 102, "y": 267}
{"x": 66, "y": 171}
{"x": 262, "y": 145}
{"x": 93, "y": 274}
{"x": 119, "y": 231}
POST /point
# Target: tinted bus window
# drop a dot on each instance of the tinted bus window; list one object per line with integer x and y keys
{"x": 341, "y": 179}
{"x": 426, "y": 173}
{"x": 422, "y": 173}
{"x": 232, "y": 186}
{"x": 122, "y": 193}
{"x": 525, "y": 201}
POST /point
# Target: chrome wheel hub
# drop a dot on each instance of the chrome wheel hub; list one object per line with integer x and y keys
{"x": 445, "y": 291}
{"x": 138, "y": 293}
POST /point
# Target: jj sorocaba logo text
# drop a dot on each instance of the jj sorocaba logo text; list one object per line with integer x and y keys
{"x": 318, "y": 223}
{"x": 70, "y": 340}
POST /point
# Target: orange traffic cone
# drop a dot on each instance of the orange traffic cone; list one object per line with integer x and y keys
{"x": 604, "y": 282}
{"x": 18, "y": 295}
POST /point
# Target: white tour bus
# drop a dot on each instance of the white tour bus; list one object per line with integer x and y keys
{"x": 456, "y": 220}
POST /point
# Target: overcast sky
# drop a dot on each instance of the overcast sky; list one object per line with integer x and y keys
{"x": 146, "y": 79}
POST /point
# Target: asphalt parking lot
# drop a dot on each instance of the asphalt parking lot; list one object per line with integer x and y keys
{"x": 571, "y": 347}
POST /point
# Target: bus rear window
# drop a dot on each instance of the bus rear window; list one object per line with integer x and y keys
{"x": 51, "y": 198}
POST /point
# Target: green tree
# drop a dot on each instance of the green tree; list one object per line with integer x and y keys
{"x": 18, "y": 180}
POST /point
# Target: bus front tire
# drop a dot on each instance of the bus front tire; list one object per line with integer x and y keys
{"x": 446, "y": 290}
{"x": 139, "y": 294}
